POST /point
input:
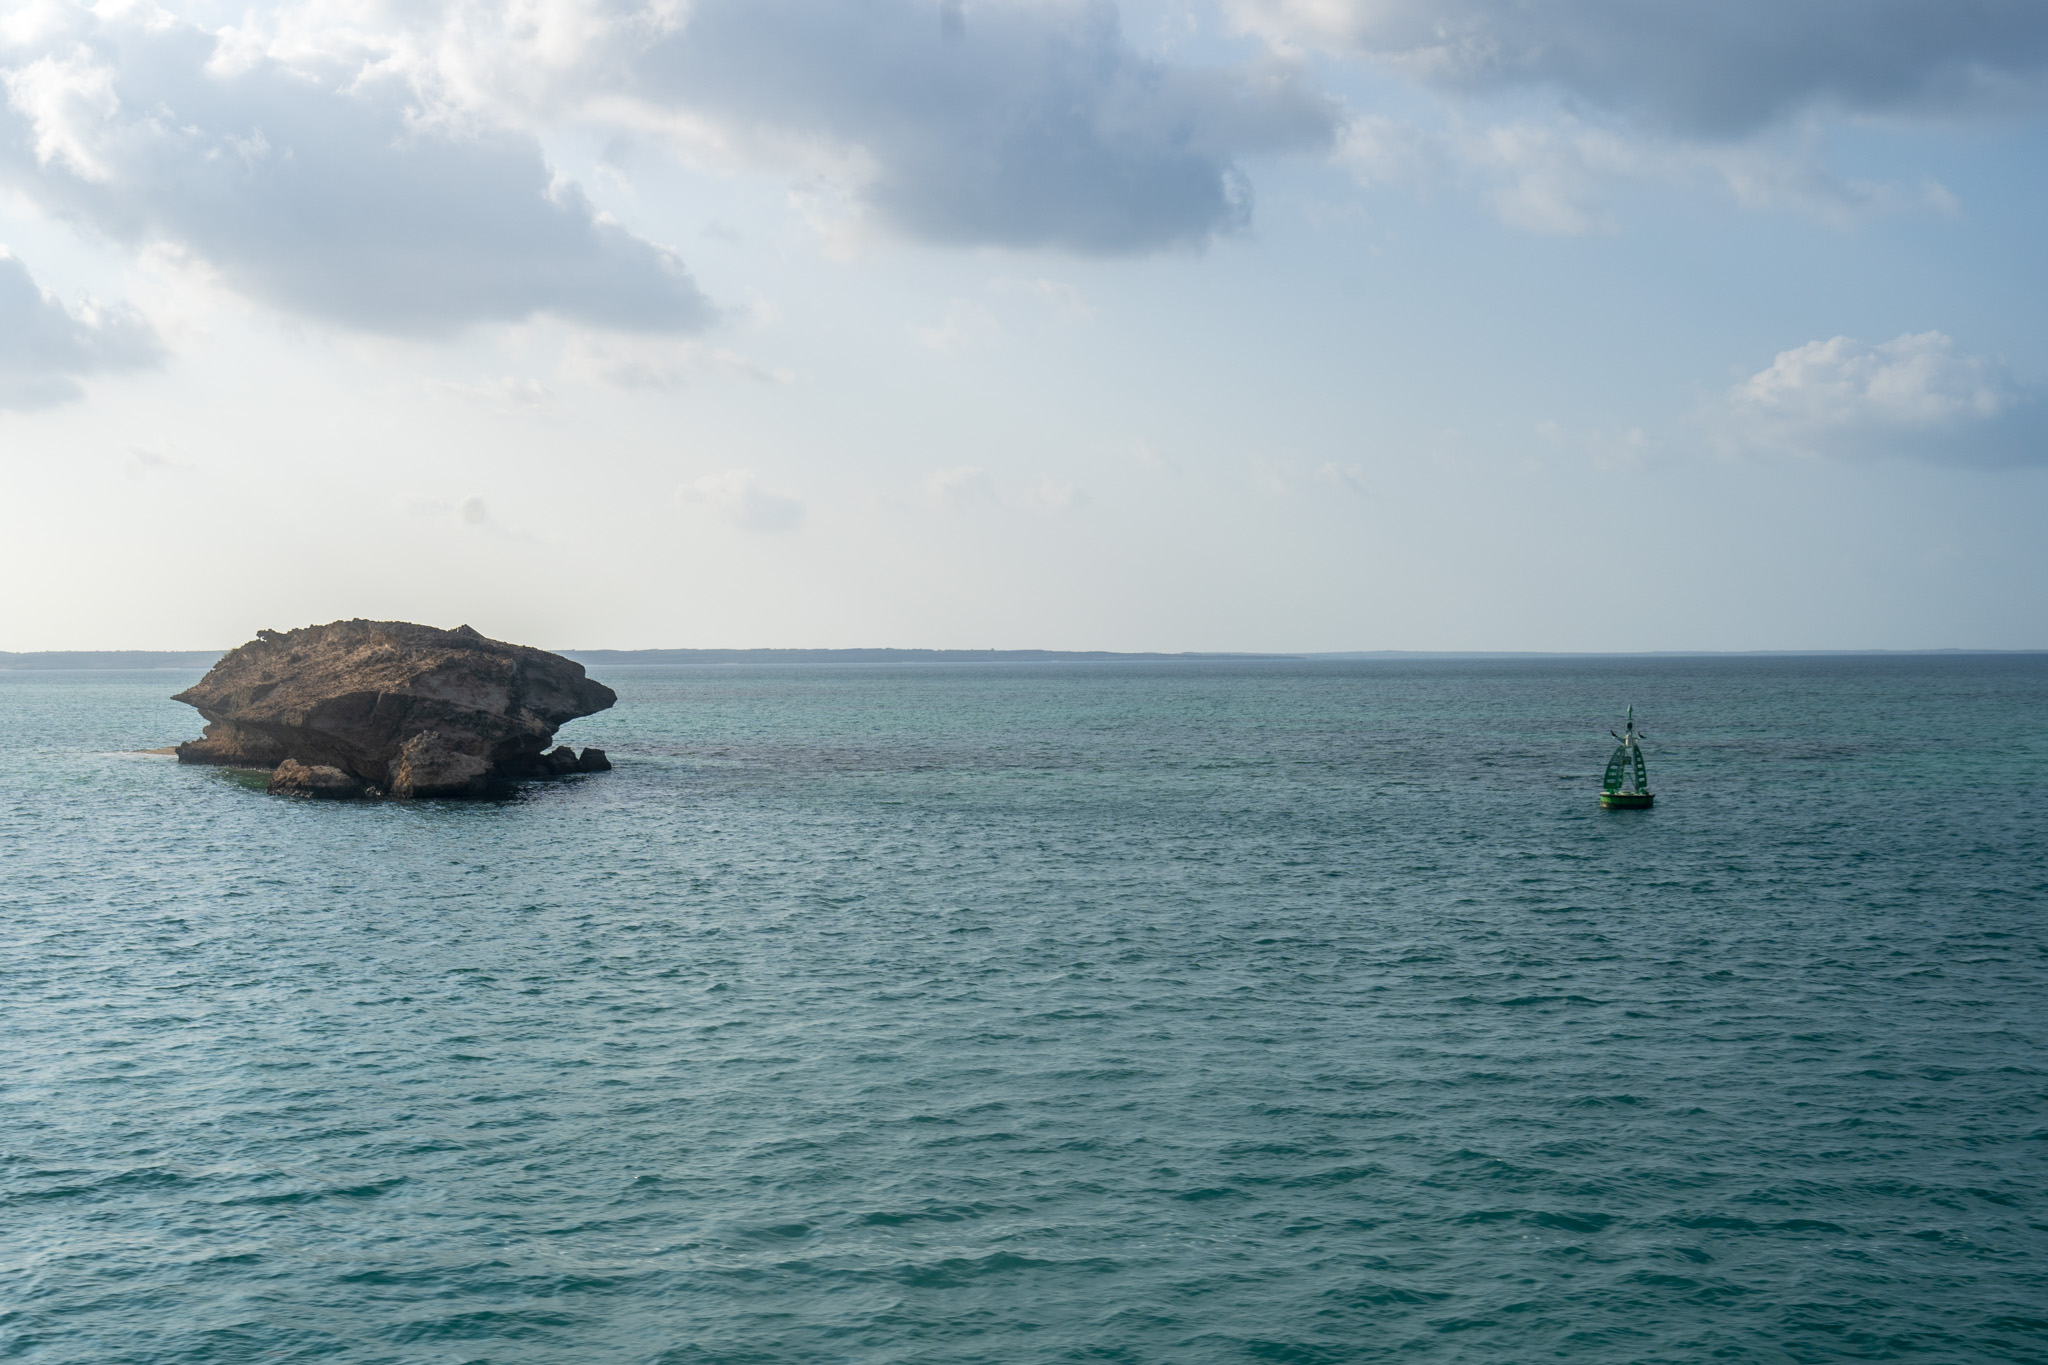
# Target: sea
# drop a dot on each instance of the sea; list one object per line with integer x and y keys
{"x": 1190, "y": 1013}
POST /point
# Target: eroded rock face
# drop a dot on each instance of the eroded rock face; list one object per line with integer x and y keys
{"x": 294, "y": 778}
{"x": 410, "y": 709}
{"x": 428, "y": 765}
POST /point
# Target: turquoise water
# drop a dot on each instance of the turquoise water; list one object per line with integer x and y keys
{"x": 1177, "y": 1013}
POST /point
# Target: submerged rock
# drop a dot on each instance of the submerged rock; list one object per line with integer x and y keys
{"x": 294, "y": 778}
{"x": 412, "y": 709}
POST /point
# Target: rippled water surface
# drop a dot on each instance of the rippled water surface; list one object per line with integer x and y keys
{"x": 1186, "y": 1013}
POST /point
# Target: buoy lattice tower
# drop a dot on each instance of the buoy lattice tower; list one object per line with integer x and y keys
{"x": 1626, "y": 785}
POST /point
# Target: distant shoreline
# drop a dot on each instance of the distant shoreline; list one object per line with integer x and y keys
{"x": 146, "y": 659}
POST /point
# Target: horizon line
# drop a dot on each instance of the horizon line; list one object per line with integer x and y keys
{"x": 54, "y": 660}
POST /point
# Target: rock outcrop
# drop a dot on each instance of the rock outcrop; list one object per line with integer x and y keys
{"x": 294, "y": 778}
{"x": 430, "y": 764}
{"x": 565, "y": 760}
{"x": 406, "y": 709}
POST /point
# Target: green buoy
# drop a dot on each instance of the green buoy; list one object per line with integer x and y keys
{"x": 1627, "y": 784}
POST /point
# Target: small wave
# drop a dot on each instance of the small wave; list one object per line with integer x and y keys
{"x": 372, "y": 1189}
{"x": 952, "y": 1213}
{"x": 484, "y": 1325}
{"x": 956, "y": 1272}
{"x": 1574, "y": 1222}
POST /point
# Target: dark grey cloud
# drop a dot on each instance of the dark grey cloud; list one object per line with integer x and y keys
{"x": 46, "y": 348}
{"x": 996, "y": 123}
{"x": 338, "y": 203}
{"x": 1700, "y": 67}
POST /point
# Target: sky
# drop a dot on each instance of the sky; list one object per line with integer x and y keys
{"x": 1590, "y": 325}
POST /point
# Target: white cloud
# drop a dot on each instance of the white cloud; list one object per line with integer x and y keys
{"x": 1023, "y": 123}
{"x": 1036, "y": 124}
{"x": 377, "y": 164}
{"x": 1550, "y": 179}
{"x": 1711, "y": 70}
{"x": 46, "y": 348}
{"x": 1560, "y": 176}
{"x": 321, "y": 186}
{"x": 1379, "y": 150}
{"x": 1916, "y": 396}
{"x": 740, "y": 498}
{"x": 1733, "y": 95}
{"x": 64, "y": 98}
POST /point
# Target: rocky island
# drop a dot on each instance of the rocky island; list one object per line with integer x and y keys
{"x": 360, "y": 708}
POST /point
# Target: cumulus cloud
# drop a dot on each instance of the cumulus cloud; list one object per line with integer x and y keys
{"x": 379, "y": 164}
{"x": 46, "y": 348}
{"x": 1734, "y": 95}
{"x": 1022, "y": 123}
{"x": 317, "y": 187}
{"x": 1916, "y": 396}
{"x": 741, "y": 499}
{"x": 1716, "y": 70}
{"x": 1018, "y": 123}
